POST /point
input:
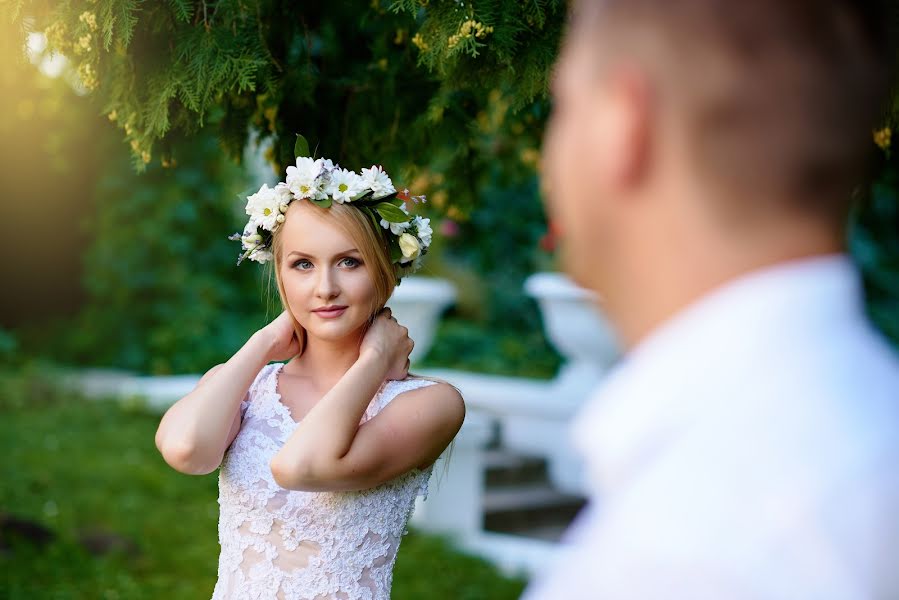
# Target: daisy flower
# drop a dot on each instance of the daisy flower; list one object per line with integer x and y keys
{"x": 303, "y": 179}
{"x": 263, "y": 207}
{"x": 344, "y": 185}
{"x": 377, "y": 180}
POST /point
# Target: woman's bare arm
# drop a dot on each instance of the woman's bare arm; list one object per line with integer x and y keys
{"x": 412, "y": 430}
{"x": 195, "y": 432}
{"x": 329, "y": 450}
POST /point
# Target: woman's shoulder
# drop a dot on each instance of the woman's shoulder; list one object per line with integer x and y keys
{"x": 430, "y": 386}
{"x": 431, "y": 399}
{"x": 264, "y": 375}
{"x": 414, "y": 382}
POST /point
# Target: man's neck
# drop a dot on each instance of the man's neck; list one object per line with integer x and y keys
{"x": 646, "y": 298}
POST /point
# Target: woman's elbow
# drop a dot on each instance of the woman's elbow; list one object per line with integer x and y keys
{"x": 184, "y": 459}
{"x": 298, "y": 475}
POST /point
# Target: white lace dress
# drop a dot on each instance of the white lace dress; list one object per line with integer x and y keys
{"x": 295, "y": 545}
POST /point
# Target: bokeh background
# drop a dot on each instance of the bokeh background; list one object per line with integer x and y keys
{"x": 130, "y": 134}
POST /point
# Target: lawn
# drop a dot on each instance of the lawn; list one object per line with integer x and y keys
{"x": 90, "y": 510}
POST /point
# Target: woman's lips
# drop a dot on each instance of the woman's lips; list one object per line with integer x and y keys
{"x": 331, "y": 312}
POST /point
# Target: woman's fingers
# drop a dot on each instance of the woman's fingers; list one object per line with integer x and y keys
{"x": 397, "y": 343}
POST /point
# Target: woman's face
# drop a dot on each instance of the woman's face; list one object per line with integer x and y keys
{"x": 327, "y": 286}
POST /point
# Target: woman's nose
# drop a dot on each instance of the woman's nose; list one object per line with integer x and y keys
{"x": 327, "y": 284}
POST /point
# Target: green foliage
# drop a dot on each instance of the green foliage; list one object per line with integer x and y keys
{"x": 443, "y": 105}
{"x": 346, "y": 73}
{"x": 874, "y": 242}
{"x": 78, "y": 466}
{"x": 495, "y": 327}
{"x": 466, "y": 345}
{"x": 490, "y": 44}
{"x": 8, "y": 346}
{"x": 450, "y": 96}
{"x": 164, "y": 294}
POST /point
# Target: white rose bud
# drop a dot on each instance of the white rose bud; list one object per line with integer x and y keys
{"x": 409, "y": 245}
{"x": 279, "y": 218}
{"x": 283, "y": 207}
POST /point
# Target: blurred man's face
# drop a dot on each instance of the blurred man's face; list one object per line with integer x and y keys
{"x": 579, "y": 162}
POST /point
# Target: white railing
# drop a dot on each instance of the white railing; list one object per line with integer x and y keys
{"x": 532, "y": 416}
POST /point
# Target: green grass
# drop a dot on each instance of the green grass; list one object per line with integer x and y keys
{"x": 72, "y": 465}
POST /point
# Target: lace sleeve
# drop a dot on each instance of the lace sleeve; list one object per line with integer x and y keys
{"x": 260, "y": 377}
{"x": 424, "y": 483}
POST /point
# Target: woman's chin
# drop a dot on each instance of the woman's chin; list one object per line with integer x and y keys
{"x": 333, "y": 332}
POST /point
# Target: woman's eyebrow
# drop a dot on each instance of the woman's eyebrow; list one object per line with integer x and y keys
{"x": 307, "y": 255}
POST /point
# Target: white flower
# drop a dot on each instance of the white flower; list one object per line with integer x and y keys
{"x": 261, "y": 256}
{"x": 395, "y": 228}
{"x": 423, "y": 227}
{"x": 344, "y": 185}
{"x": 250, "y": 239}
{"x": 376, "y": 180}
{"x": 409, "y": 246}
{"x": 263, "y": 207}
{"x": 303, "y": 179}
{"x": 285, "y": 196}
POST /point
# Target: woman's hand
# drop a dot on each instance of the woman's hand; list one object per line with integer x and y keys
{"x": 281, "y": 337}
{"x": 388, "y": 341}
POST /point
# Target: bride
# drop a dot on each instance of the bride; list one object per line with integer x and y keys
{"x": 321, "y": 457}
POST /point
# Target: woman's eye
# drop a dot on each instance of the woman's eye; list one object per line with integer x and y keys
{"x": 350, "y": 262}
{"x": 303, "y": 264}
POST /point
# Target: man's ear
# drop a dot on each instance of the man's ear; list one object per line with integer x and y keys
{"x": 621, "y": 130}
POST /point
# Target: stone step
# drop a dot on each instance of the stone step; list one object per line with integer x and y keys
{"x": 534, "y": 510}
{"x": 504, "y": 467}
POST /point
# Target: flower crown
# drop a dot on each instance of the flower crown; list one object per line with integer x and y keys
{"x": 322, "y": 182}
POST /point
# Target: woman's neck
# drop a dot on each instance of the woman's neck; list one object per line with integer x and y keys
{"x": 324, "y": 362}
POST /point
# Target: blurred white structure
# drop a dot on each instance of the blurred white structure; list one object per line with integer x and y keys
{"x": 418, "y": 303}
{"x": 531, "y": 416}
{"x": 528, "y": 415}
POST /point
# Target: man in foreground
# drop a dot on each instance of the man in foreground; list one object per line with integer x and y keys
{"x": 699, "y": 167}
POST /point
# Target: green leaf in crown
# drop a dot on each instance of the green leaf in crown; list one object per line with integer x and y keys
{"x": 392, "y": 213}
{"x": 301, "y": 148}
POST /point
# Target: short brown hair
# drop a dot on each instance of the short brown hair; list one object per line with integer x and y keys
{"x": 779, "y": 96}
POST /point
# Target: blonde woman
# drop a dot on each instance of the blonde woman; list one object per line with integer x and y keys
{"x": 321, "y": 457}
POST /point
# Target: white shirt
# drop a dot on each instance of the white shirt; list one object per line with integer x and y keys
{"x": 746, "y": 449}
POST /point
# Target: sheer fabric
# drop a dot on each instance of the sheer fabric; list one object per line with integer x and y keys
{"x": 296, "y": 545}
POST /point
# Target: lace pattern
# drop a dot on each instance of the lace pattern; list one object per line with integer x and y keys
{"x": 296, "y": 545}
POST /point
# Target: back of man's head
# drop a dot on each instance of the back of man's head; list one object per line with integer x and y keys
{"x": 778, "y": 96}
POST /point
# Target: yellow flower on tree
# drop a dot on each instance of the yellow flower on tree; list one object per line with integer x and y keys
{"x": 882, "y": 138}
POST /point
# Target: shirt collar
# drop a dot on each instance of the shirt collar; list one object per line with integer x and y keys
{"x": 663, "y": 383}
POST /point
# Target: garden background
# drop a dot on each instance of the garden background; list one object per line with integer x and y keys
{"x": 131, "y": 134}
